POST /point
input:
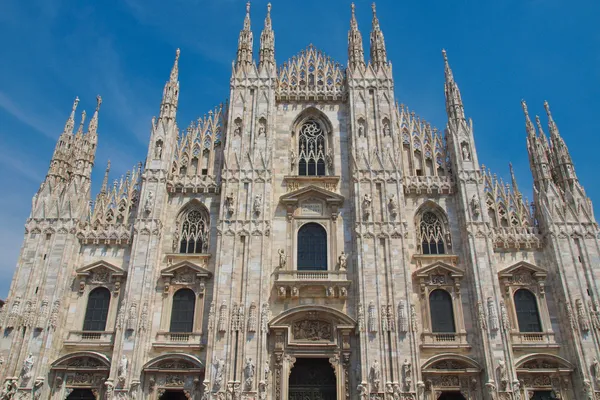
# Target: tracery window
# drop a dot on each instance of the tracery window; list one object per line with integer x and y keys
{"x": 312, "y": 248}
{"x": 442, "y": 313}
{"x": 311, "y": 150}
{"x": 182, "y": 314}
{"x": 96, "y": 312}
{"x": 527, "y": 311}
{"x": 432, "y": 235}
{"x": 194, "y": 232}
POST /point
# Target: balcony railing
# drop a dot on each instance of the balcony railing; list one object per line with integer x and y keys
{"x": 444, "y": 339}
{"x": 179, "y": 339}
{"x": 331, "y": 283}
{"x": 89, "y": 338}
{"x": 533, "y": 339}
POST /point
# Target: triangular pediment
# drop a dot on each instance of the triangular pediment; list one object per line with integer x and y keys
{"x": 313, "y": 191}
{"x": 523, "y": 266}
{"x": 186, "y": 267}
{"x": 439, "y": 267}
{"x": 101, "y": 266}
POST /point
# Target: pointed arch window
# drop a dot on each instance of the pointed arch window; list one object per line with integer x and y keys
{"x": 312, "y": 248}
{"x": 182, "y": 313}
{"x": 96, "y": 312}
{"x": 194, "y": 232}
{"x": 311, "y": 149}
{"x": 432, "y": 234}
{"x": 528, "y": 315}
{"x": 442, "y": 312}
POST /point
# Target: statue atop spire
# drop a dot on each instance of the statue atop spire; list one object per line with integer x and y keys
{"x": 267, "y": 42}
{"x": 356, "y": 55}
{"x": 378, "y": 52}
{"x": 514, "y": 180}
{"x": 70, "y": 124}
{"x": 175, "y": 70}
{"x": 93, "y": 126}
{"x": 454, "y": 104}
{"x": 245, "y": 42}
{"x": 80, "y": 129}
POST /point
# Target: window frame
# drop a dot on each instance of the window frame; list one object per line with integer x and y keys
{"x": 174, "y": 302}
{"x": 445, "y": 235}
{"x": 106, "y": 311}
{"x": 431, "y": 311}
{"x": 192, "y": 206}
{"x": 537, "y": 310}
{"x": 298, "y": 244}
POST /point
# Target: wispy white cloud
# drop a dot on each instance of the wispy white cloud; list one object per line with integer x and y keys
{"x": 28, "y": 117}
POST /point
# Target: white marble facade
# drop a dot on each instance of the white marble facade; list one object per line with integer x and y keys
{"x": 409, "y": 218}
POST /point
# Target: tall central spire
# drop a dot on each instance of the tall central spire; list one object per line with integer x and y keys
{"x": 356, "y": 55}
{"x": 378, "y": 53}
{"x": 244, "y": 52}
{"x": 267, "y": 42}
{"x": 454, "y": 104}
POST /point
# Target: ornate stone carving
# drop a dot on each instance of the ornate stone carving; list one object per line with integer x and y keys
{"x": 492, "y": 314}
{"x": 132, "y": 317}
{"x": 393, "y": 206}
{"x": 42, "y": 316}
{"x": 122, "y": 369}
{"x": 257, "y": 205}
{"x": 313, "y": 330}
{"x": 584, "y": 324}
{"x": 252, "y": 318}
{"x": 144, "y": 318}
{"x": 9, "y": 389}
{"x": 26, "y": 369}
{"x": 342, "y": 261}
{"x": 414, "y": 323}
{"x": 366, "y": 205}
{"x": 229, "y": 203}
{"x": 375, "y": 377}
{"x": 211, "y": 316}
{"x": 504, "y": 316}
{"x": 222, "y": 326}
{"x": 361, "y": 318}
{"x": 265, "y": 316}
{"x": 407, "y": 374}
{"x": 402, "y": 317}
{"x": 503, "y": 375}
{"x": 481, "y": 317}
{"x": 219, "y": 365}
{"x": 372, "y": 317}
{"x": 249, "y": 370}
{"x": 282, "y": 259}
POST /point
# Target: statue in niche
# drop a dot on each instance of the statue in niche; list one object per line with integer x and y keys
{"x": 158, "y": 150}
{"x": 407, "y": 371}
{"x": 249, "y": 370}
{"x": 257, "y": 204}
{"x": 293, "y": 158}
{"x": 475, "y": 209}
{"x": 282, "y": 259}
{"x": 148, "y": 202}
{"x": 503, "y": 375}
{"x": 366, "y": 204}
{"x": 9, "y": 389}
{"x": 261, "y": 128}
{"x": 375, "y": 376}
{"x": 329, "y": 159}
{"x": 219, "y": 364}
{"x": 123, "y": 368}
{"x": 361, "y": 129}
{"x": 343, "y": 262}
{"x": 393, "y": 205}
{"x": 229, "y": 202}
{"x": 267, "y": 371}
{"x": 596, "y": 370}
{"x": 386, "y": 128}
{"x": 27, "y": 366}
{"x": 238, "y": 127}
{"x": 465, "y": 152}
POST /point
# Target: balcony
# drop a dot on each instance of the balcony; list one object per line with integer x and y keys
{"x": 174, "y": 340}
{"x": 529, "y": 340}
{"x": 90, "y": 338}
{"x": 446, "y": 340}
{"x": 296, "y": 284}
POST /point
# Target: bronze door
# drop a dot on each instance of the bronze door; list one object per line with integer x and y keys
{"x": 312, "y": 379}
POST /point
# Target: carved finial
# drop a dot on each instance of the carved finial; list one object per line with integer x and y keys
{"x": 175, "y": 70}
{"x": 547, "y": 107}
{"x": 105, "y": 180}
{"x": 513, "y": 179}
{"x": 75, "y": 104}
{"x": 98, "y": 102}
{"x": 524, "y": 105}
{"x": 80, "y": 130}
{"x": 70, "y": 124}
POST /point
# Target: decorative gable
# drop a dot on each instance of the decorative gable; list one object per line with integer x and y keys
{"x": 312, "y": 201}
{"x": 439, "y": 274}
{"x": 187, "y": 274}
{"x": 100, "y": 273}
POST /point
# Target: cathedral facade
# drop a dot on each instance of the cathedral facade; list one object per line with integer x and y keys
{"x": 308, "y": 239}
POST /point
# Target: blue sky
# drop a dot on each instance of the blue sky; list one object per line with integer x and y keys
{"x": 500, "y": 51}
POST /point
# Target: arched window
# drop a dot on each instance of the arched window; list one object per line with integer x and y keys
{"x": 432, "y": 234}
{"x": 97, "y": 310}
{"x": 182, "y": 313}
{"x": 311, "y": 150}
{"x": 527, "y": 311}
{"x": 442, "y": 313}
{"x": 194, "y": 232}
{"x": 81, "y": 394}
{"x": 312, "y": 248}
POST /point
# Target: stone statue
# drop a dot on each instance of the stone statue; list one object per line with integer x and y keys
{"x": 596, "y": 370}
{"x": 27, "y": 366}
{"x": 158, "y": 150}
{"x": 282, "y": 259}
{"x": 375, "y": 376}
{"x": 343, "y": 262}
{"x": 249, "y": 370}
{"x": 366, "y": 205}
{"x": 219, "y": 364}
{"x": 475, "y": 209}
{"x": 123, "y": 368}
{"x": 8, "y": 390}
{"x": 407, "y": 371}
{"x": 229, "y": 202}
{"x": 261, "y": 130}
{"x": 393, "y": 205}
{"x": 267, "y": 372}
{"x": 257, "y": 204}
{"x": 295, "y": 291}
{"x": 330, "y": 291}
{"x": 503, "y": 375}
{"x": 148, "y": 202}
{"x": 293, "y": 158}
{"x": 361, "y": 130}
{"x": 329, "y": 159}
{"x": 386, "y": 128}
{"x": 465, "y": 152}
{"x": 282, "y": 291}
{"x": 362, "y": 392}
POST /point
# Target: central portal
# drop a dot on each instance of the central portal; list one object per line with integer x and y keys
{"x": 312, "y": 379}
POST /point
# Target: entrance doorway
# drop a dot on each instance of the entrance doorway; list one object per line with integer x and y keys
{"x": 81, "y": 394}
{"x": 173, "y": 395}
{"x": 543, "y": 395}
{"x": 312, "y": 379}
{"x": 451, "y": 396}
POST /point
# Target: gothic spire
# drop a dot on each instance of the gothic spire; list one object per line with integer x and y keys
{"x": 81, "y": 124}
{"x": 168, "y": 107}
{"x": 454, "y": 104}
{"x": 528, "y": 125}
{"x": 93, "y": 126}
{"x": 245, "y": 42}
{"x": 514, "y": 180}
{"x": 267, "y": 42}
{"x": 378, "y": 53}
{"x": 563, "y": 168}
{"x": 104, "y": 188}
{"x": 356, "y": 55}
{"x": 70, "y": 124}
{"x": 538, "y": 157}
